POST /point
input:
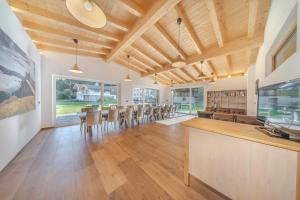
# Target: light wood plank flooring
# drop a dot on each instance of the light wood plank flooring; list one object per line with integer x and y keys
{"x": 144, "y": 162}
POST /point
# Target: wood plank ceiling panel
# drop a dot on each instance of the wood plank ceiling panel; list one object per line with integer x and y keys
{"x": 199, "y": 18}
{"x": 235, "y": 18}
{"x": 170, "y": 25}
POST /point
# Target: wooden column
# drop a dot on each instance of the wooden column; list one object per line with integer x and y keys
{"x": 298, "y": 178}
{"x": 186, "y": 174}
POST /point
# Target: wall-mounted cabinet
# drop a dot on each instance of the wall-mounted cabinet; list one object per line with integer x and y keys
{"x": 229, "y": 101}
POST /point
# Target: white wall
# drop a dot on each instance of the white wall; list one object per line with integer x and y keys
{"x": 282, "y": 17}
{"x": 18, "y": 130}
{"x": 93, "y": 69}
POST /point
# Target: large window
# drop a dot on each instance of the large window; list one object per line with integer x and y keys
{"x": 188, "y": 100}
{"x": 110, "y": 94}
{"x": 74, "y": 94}
{"x": 151, "y": 96}
{"x": 145, "y": 95}
{"x": 138, "y": 95}
{"x": 197, "y": 99}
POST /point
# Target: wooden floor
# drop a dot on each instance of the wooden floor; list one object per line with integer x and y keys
{"x": 144, "y": 162}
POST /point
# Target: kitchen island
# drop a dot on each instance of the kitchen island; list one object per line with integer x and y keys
{"x": 240, "y": 161}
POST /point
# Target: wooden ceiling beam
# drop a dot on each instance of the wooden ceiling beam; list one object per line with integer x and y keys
{"x": 195, "y": 67}
{"x": 172, "y": 77}
{"x": 231, "y": 47}
{"x": 122, "y": 63}
{"x": 216, "y": 21}
{"x": 131, "y": 65}
{"x": 179, "y": 76}
{"x": 169, "y": 39}
{"x": 67, "y": 51}
{"x": 159, "y": 80}
{"x": 228, "y": 64}
{"x": 211, "y": 67}
{"x": 40, "y": 39}
{"x": 157, "y": 10}
{"x": 146, "y": 55}
{"x": 117, "y": 23}
{"x": 164, "y": 79}
{"x": 132, "y": 7}
{"x": 196, "y": 41}
{"x": 26, "y": 8}
{"x": 45, "y": 28}
{"x": 157, "y": 49}
{"x": 253, "y": 10}
{"x": 188, "y": 74}
{"x": 140, "y": 62}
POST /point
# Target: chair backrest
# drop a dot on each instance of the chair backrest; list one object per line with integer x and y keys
{"x": 92, "y": 117}
{"x": 245, "y": 119}
{"x": 87, "y": 109}
{"x": 105, "y": 108}
{"x": 129, "y": 113}
{"x": 140, "y": 111}
{"x": 113, "y": 107}
{"x": 112, "y": 115}
{"x": 223, "y": 117}
{"x": 150, "y": 110}
{"x": 120, "y": 107}
{"x": 100, "y": 117}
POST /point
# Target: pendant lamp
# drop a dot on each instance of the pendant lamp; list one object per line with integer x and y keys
{"x": 127, "y": 78}
{"x": 179, "y": 62}
{"x": 76, "y": 68}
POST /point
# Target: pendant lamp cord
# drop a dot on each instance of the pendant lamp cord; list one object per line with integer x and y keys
{"x": 179, "y": 32}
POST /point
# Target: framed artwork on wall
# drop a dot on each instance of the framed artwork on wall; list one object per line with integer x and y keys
{"x": 17, "y": 79}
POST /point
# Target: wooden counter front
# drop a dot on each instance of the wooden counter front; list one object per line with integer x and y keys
{"x": 243, "y": 131}
{"x": 213, "y": 148}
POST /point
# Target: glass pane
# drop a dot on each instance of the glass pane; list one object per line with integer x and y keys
{"x": 110, "y": 94}
{"x": 72, "y": 95}
{"x": 151, "y": 96}
{"x": 280, "y": 104}
{"x": 197, "y": 99}
{"x": 137, "y": 95}
{"x": 287, "y": 49}
{"x": 181, "y": 98}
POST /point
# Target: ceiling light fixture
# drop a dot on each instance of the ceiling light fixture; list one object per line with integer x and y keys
{"x": 76, "y": 67}
{"x": 213, "y": 79}
{"x": 155, "y": 81}
{"x": 87, "y": 12}
{"x": 127, "y": 78}
{"x": 171, "y": 83}
{"x": 179, "y": 62}
{"x": 201, "y": 74}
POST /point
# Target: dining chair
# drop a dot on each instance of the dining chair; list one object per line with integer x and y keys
{"x": 157, "y": 113}
{"x": 128, "y": 117}
{"x": 112, "y": 117}
{"x": 140, "y": 114}
{"x": 149, "y": 113}
{"x": 92, "y": 118}
{"x": 83, "y": 119}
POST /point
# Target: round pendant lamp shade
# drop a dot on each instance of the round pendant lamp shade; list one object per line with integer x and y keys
{"x": 87, "y": 12}
{"x": 75, "y": 69}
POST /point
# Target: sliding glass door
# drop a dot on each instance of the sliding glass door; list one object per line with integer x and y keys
{"x": 110, "y": 94}
{"x": 188, "y": 100}
{"x": 74, "y": 94}
{"x": 145, "y": 95}
{"x": 197, "y": 99}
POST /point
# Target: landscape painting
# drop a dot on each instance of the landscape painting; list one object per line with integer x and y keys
{"x": 17, "y": 79}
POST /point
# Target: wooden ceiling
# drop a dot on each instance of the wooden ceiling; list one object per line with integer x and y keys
{"x": 225, "y": 34}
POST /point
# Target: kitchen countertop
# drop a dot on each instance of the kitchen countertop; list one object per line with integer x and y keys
{"x": 242, "y": 131}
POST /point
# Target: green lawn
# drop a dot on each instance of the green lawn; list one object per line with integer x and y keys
{"x": 68, "y": 107}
